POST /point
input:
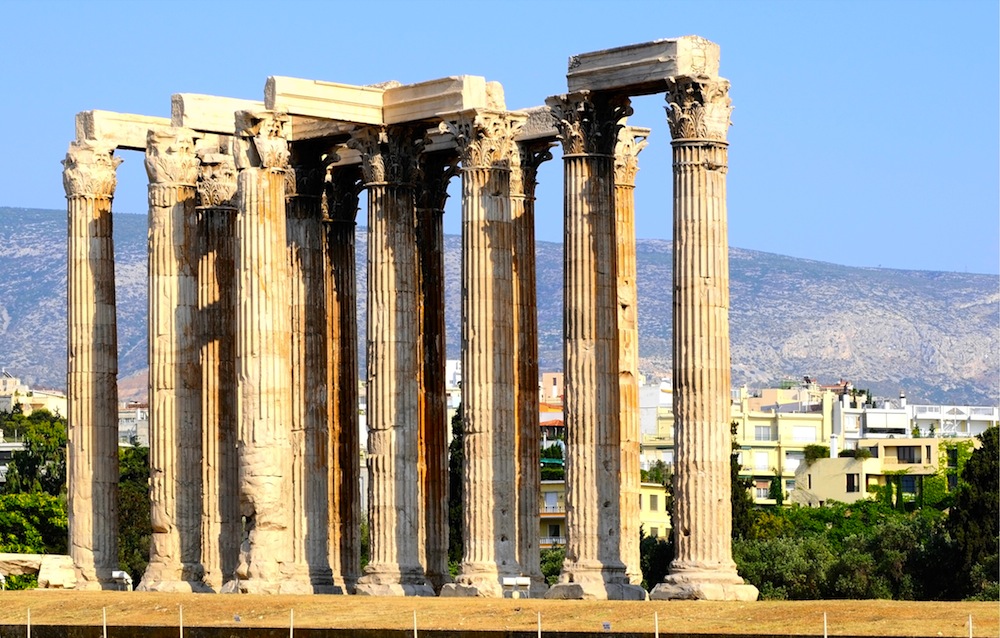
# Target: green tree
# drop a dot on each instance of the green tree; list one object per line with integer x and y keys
{"x": 553, "y": 451}
{"x": 551, "y": 561}
{"x": 655, "y": 555}
{"x": 456, "y": 474}
{"x": 41, "y": 465}
{"x": 33, "y": 524}
{"x": 784, "y": 568}
{"x": 776, "y": 490}
{"x": 134, "y": 527}
{"x": 742, "y": 502}
{"x": 973, "y": 519}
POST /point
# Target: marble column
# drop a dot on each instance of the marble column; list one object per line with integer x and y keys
{"x": 523, "y": 179}
{"x": 703, "y": 568}
{"x": 91, "y": 363}
{"x": 175, "y": 459}
{"x": 435, "y": 170}
{"x": 221, "y": 525}
{"x": 263, "y": 357}
{"x": 486, "y": 145}
{"x": 340, "y": 209}
{"x": 309, "y": 436}
{"x": 389, "y": 165}
{"x": 588, "y": 126}
{"x": 631, "y": 141}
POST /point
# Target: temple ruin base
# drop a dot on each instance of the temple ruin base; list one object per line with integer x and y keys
{"x": 704, "y": 586}
{"x": 595, "y": 584}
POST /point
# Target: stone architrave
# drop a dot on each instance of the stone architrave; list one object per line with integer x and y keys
{"x": 435, "y": 171}
{"x": 631, "y": 141}
{"x": 389, "y": 163}
{"x": 485, "y": 141}
{"x": 263, "y": 357}
{"x": 588, "y": 126}
{"x": 703, "y": 568}
{"x": 342, "y": 187}
{"x": 221, "y": 525}
{"x": 523, "y": 179}
{"x": 311, "y": 497}
{"x": 91, "y": 363}
{"x": 175, "y": 454}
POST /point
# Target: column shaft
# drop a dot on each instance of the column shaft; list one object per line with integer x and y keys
{"x": 630, "y": 142}
{"x": 393, "y": 373}
{"x": 593, "y": 567}
{"x": 175, "y": 454}
{"x": 264, "y": 360}
{"x": 489, "y": 481}
{"x": 703, "y": 566}
{"x": 91, "y": 364}
{"x": 342, "y": 348}
{"x": 310, "y": 437}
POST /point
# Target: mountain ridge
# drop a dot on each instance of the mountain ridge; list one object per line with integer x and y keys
{"x": 933, "y": 334}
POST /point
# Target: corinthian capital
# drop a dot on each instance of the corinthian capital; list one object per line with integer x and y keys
{"x": 698, "y": 107}
{"x": 485, "y": 139}
{"x": 262, "y": 140}
{"x": 388, "y": 153}
{"x": 588, "y": 123}
{"x": 217, "y": 180}
{"x": 170, "y": 157}
{"x": 89, "y": 169}
{"x": 631, "y": 141}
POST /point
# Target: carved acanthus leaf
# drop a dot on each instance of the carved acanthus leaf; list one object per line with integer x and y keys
{"x": 485, "y": 139}
{"x": 631, "y": 141}
{"x": 217, "y": 180}
{"x": 588, "y": 124}
{"x": 340, "y": 196}
{"x": 89, "y": 169}
{"x": 524, "y": 172}
{"x": 388, "y": 153}
{"x": 170, "y": 157}
{"x": 698, "y": 107}
{"x": 435, "y": 170}
{"x": 262, "y": 139}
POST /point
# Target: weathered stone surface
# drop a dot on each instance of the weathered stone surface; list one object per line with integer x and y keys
{"x": 19, "y": 564}
{"x": 208, "y": 113}
{"x": 118, "y": 130}
{"x": 640, "y": 69}
{"x": 327, "y": 100}
{"x": 439, "y": 98}
{"x": 56, "y": 572}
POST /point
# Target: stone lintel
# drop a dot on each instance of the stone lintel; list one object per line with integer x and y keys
{"x": 327, "y": 100}
{"x": 346, "y": 156}
{"x": 641, "y": 69}
{"x": 122, "y": 130}
{"x": 208, "y": 113}
{"x": 539, "y": 125}
{"x": 306, "y": 127}
{"x": 440, "y": 99}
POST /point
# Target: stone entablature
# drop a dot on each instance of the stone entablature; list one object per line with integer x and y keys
{"x": 252, "y": 213}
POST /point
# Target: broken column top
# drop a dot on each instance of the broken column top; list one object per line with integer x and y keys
{"x": 642, "y": 69}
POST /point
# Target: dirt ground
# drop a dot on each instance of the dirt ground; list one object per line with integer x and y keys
{"x": 855, "y": 618}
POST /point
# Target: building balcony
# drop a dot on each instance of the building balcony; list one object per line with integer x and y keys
{"x": 549, "y": 541}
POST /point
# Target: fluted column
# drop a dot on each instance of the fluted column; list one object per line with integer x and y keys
{"x": 631, "y": 141}
{"x": 341, "y": 208}
{"x": 523, "y": 179}
{"x": 698, "y": 114}
{"x": 486, "y": 144}
{"x": 388, "y": 164}
{"x": 432, "y": 191}
{"x": 91, "y": 363}
{"x": 263, "y": 357}
{"x": 174, "y": 372}
{"x": 221, "y": 525}
{"x": 588, "y": 126}
{"x": 310, "y": 437}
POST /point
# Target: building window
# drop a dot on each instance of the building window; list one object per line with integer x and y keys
{"x": 554, "y": 530}
{"x": 760, "y": 460}
{"x": 853, "y": 484}
{"x": 952, "y": 457}
{"x": 640, "y": 501}
{"x": 762, "y": 488}
{"x": 952, "y": 482}
{"x": 908, "y": 454}
{"x": 790, "y": 485}
{"x": 654, "y": 532}
{"x": 909, "y": 484}
{"x": 810, "y": 477}
{"x": 654, "y": 502}
{"x": 793, "y": 459}
{"x": 804, "y": 433}
{"x": 763, "y": 433}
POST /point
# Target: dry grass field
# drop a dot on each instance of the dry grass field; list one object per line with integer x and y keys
{"x": 844, "y": 618}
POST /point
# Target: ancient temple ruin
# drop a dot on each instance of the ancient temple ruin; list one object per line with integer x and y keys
{"x": 252, "y": 340}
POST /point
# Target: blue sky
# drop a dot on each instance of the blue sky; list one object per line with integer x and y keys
{"x": 864, "y": 133}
